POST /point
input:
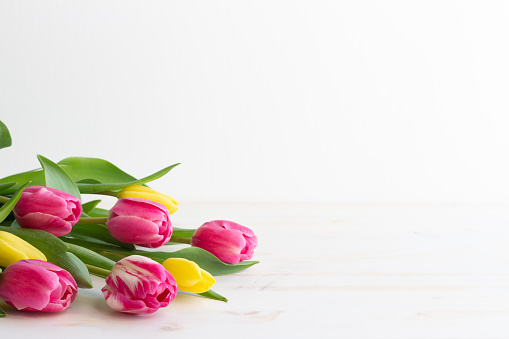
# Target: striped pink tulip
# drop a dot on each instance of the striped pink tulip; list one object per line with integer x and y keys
{"x": 138, "y": 284}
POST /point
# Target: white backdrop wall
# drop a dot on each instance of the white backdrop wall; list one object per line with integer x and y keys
{"x": 328, "y": 101}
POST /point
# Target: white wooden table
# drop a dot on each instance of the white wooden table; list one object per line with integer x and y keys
{"x": 327, "y": 271}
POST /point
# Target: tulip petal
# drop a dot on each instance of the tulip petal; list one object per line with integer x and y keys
{"x": 206, "y": 282}
{"x": 46, "y": 222}
{"x": 227, "y": 240}
{"x": 119, "y": 302}
{"x": 225, "y": 244}
{"x": 185, "y": 272}
{"x": 42, "y": 199}
{"x": 10, "y": 254}
{"x": 27, "y": 286}
{"x": 44, "y": 286}
{"x": 248, "y": 250}
{"x": 188, "y": 275}
{"x": 138, "y": 207}
{"x": 144, "y": 192}
{"x": 134, "y": 230}
{"x": 48, "y": 209}
{"x": 139, "y": 221}
{"x": 13, "y": 248}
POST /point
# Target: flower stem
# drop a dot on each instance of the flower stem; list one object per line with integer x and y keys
{"x": 181, "y": 240}
{"x": 100, "y": 272}
{"x": 88, "y": 220}
{"x": 3, "y": 200}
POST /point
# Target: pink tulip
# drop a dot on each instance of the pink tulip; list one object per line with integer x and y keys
{"x": 228, "y": 241}
{"x": 47, "y": 209}
{"x": 140, "y": 221}
{"x": 37, "y": 286}
{"x": 138, "y": 284}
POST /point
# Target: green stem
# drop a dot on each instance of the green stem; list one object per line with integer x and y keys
{"x": 100, "y": 272}
{"x": 89, "y": 220}
{"x": 181, "y": 240}
{"x": 3, "y": 200}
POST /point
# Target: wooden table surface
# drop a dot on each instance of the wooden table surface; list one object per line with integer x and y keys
{"x": 327, "y": 271}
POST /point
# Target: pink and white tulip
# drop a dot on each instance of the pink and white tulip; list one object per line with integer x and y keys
{"x": 140, "y": 221}
{"x": 138, "y": 284}
{"x": 37, "y": 286}
{"x": 228, "y": 241}
{"x": 47, "y": 209}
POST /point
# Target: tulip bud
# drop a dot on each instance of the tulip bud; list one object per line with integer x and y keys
{"x": 138, "y": 284}
{"x": 144, "y": 192}
{"x": 37, "y": 286}
{"x": 47, "y": 209}
{"x": 228, "y": 241}
{"x": 188, "y": 275}
{"x": 139, "y": 221}
{"x": 13, "y": 249}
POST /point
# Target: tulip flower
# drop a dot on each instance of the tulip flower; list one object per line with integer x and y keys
{"x": 139, "y": 221}
{"x": 144, "y": 192}
{"x": 138, "y": 284}
{"x": 228, "y": 241}
{"x": 13, "y": 249}
{"x": 37, "y": 286}
{"x": 188, "y": 275}
{"x": 47, "y": 209}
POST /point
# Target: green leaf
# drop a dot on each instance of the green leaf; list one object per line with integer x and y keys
{"x": 56, "y": 177}
{"x": 213, "y": 295}
{"x": 113, "y": 256}
{"x": 35, "y": 176}
{"x": 81, "y": 168}
{"x": 94, "y": 245}
{"x": 2, "y": 313}
{"x": 204, "y": 259}
{"x": 72, "y": 264}
{"x": 89, "y": 181}
{"x": 56, "y": 252}
{"x": 90, "y": 257}
{"x": 9, "y": 205}
{"x": 5, "y": 136}
{"x": 6, "y": 185}
{"x": 112, "y": 186}
{"x": 88, "y": 174}
{"x": 89, "y": 206}
{"x": 99, "y": 232}
{"x": 99, "y": 213}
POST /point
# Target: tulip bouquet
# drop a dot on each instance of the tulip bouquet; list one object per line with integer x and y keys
{"x": 51, "y": 241}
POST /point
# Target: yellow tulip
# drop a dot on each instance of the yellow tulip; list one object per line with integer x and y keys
{"x": 144, "y": 192}
{"x": 13, "y": 249}
{"x": 188, "y": 275}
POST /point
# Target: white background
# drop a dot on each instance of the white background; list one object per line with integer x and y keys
{"x": 328, "y": 101}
